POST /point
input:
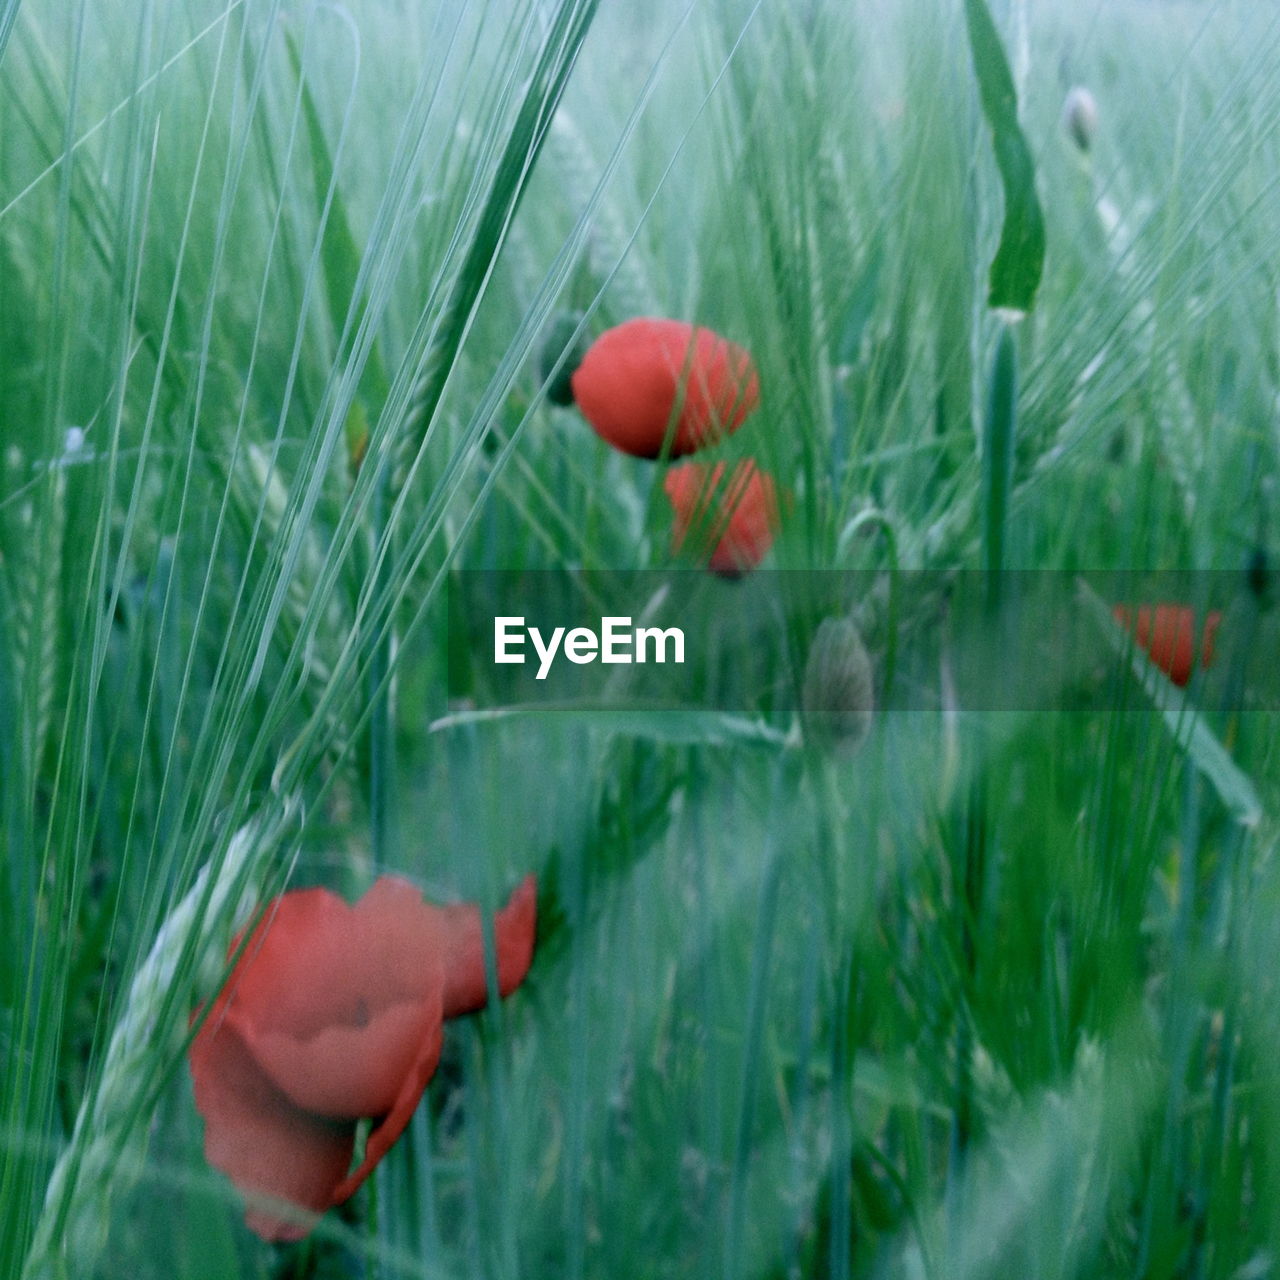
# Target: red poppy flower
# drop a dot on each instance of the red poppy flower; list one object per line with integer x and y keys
{"x": 1167, "y": 634}
{"x": 636, "y": 377}
{"x": 729, "y": 522}
{"x": 334, "y": 1014}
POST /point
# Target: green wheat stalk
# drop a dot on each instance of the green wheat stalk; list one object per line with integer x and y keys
{"x": 108, "y": 1144}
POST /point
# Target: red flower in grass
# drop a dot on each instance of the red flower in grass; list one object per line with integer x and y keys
{"x": 728, "y": 523}
{"x": 1167, "y": 633}
{"x": 636, "y": 377}
{"x": 333, "y": 1014}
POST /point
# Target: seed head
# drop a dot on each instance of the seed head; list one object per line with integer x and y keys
{"x": 1080, "y": 117}
{"x": 838, "y": 696}
{"x": 560, "y": 341}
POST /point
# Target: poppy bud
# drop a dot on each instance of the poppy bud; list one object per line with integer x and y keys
{"x": 1258, "y": 574}
{"x": 730, "y": 522}
{"x": 1080, "y": 117}
{"x": 647, "y": 379}
{"x": 1167, "y": 634}
{"x": 838, "y": 696}
{"x": 560, "y": 341}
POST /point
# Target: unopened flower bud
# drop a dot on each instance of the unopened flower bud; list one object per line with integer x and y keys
{"x": 1258, "y": 574}
{"x": 1080, "y": 117}
{"x": 559, "y": 340}
{"x": 838, "y": 696}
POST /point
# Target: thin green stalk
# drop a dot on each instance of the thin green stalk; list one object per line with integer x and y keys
{"x": 757, "y": 997}
{"x": 997, "y": 475}
{"x": 107, "y": 1147}
{"x": 842, "y": 1039}
{"x": 8, "y": 16}
{"x": 997, "y": 463}
{"x": 381, "y": 693}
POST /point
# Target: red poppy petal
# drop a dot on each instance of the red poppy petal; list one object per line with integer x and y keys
{"x": 1172, "y": 641}
{"x": 721, "y": 390}
{"x": 314, "y": 962}
{"x": 513, "y": 931}
{"x": 633, "y": 377}
{"x": 1167, "y": 634}
{"x": 1143, "y": 630}
{"x": 750, "y": 497}
{"x": 399, "y": 950}
{"x": 346, "y": 1070}
{"x": 393, "y": 1124}
{"x": 295, "y": 968}
{"x": 1211, "y": 624}
{"x": 732, "y": 522}
{"x": 283, "y": 1160}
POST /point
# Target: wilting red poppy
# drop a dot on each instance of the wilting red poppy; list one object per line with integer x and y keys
{"x": 636, "y": 377}
{"x": 1167, "y": 634}
{"x": 334, "y": 1014}
{"x": 727, "y": 523}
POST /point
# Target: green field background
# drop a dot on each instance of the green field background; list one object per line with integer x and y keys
{"x": 995, "y": 995}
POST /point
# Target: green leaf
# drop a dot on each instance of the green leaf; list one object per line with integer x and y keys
{"x": 1186, "y": 724}
{"x": 1019, "y": 260}
{"x": 709, "y": 728}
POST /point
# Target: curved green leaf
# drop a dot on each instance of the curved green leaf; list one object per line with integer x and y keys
{"x": 1019, "y": 261}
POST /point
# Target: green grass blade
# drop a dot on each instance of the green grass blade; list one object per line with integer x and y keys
{"x": 1019, "y": 261}
{"x": 8, "y": 16}
{"x": 511, "y": 179}
{"x": 711, "y": 728}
